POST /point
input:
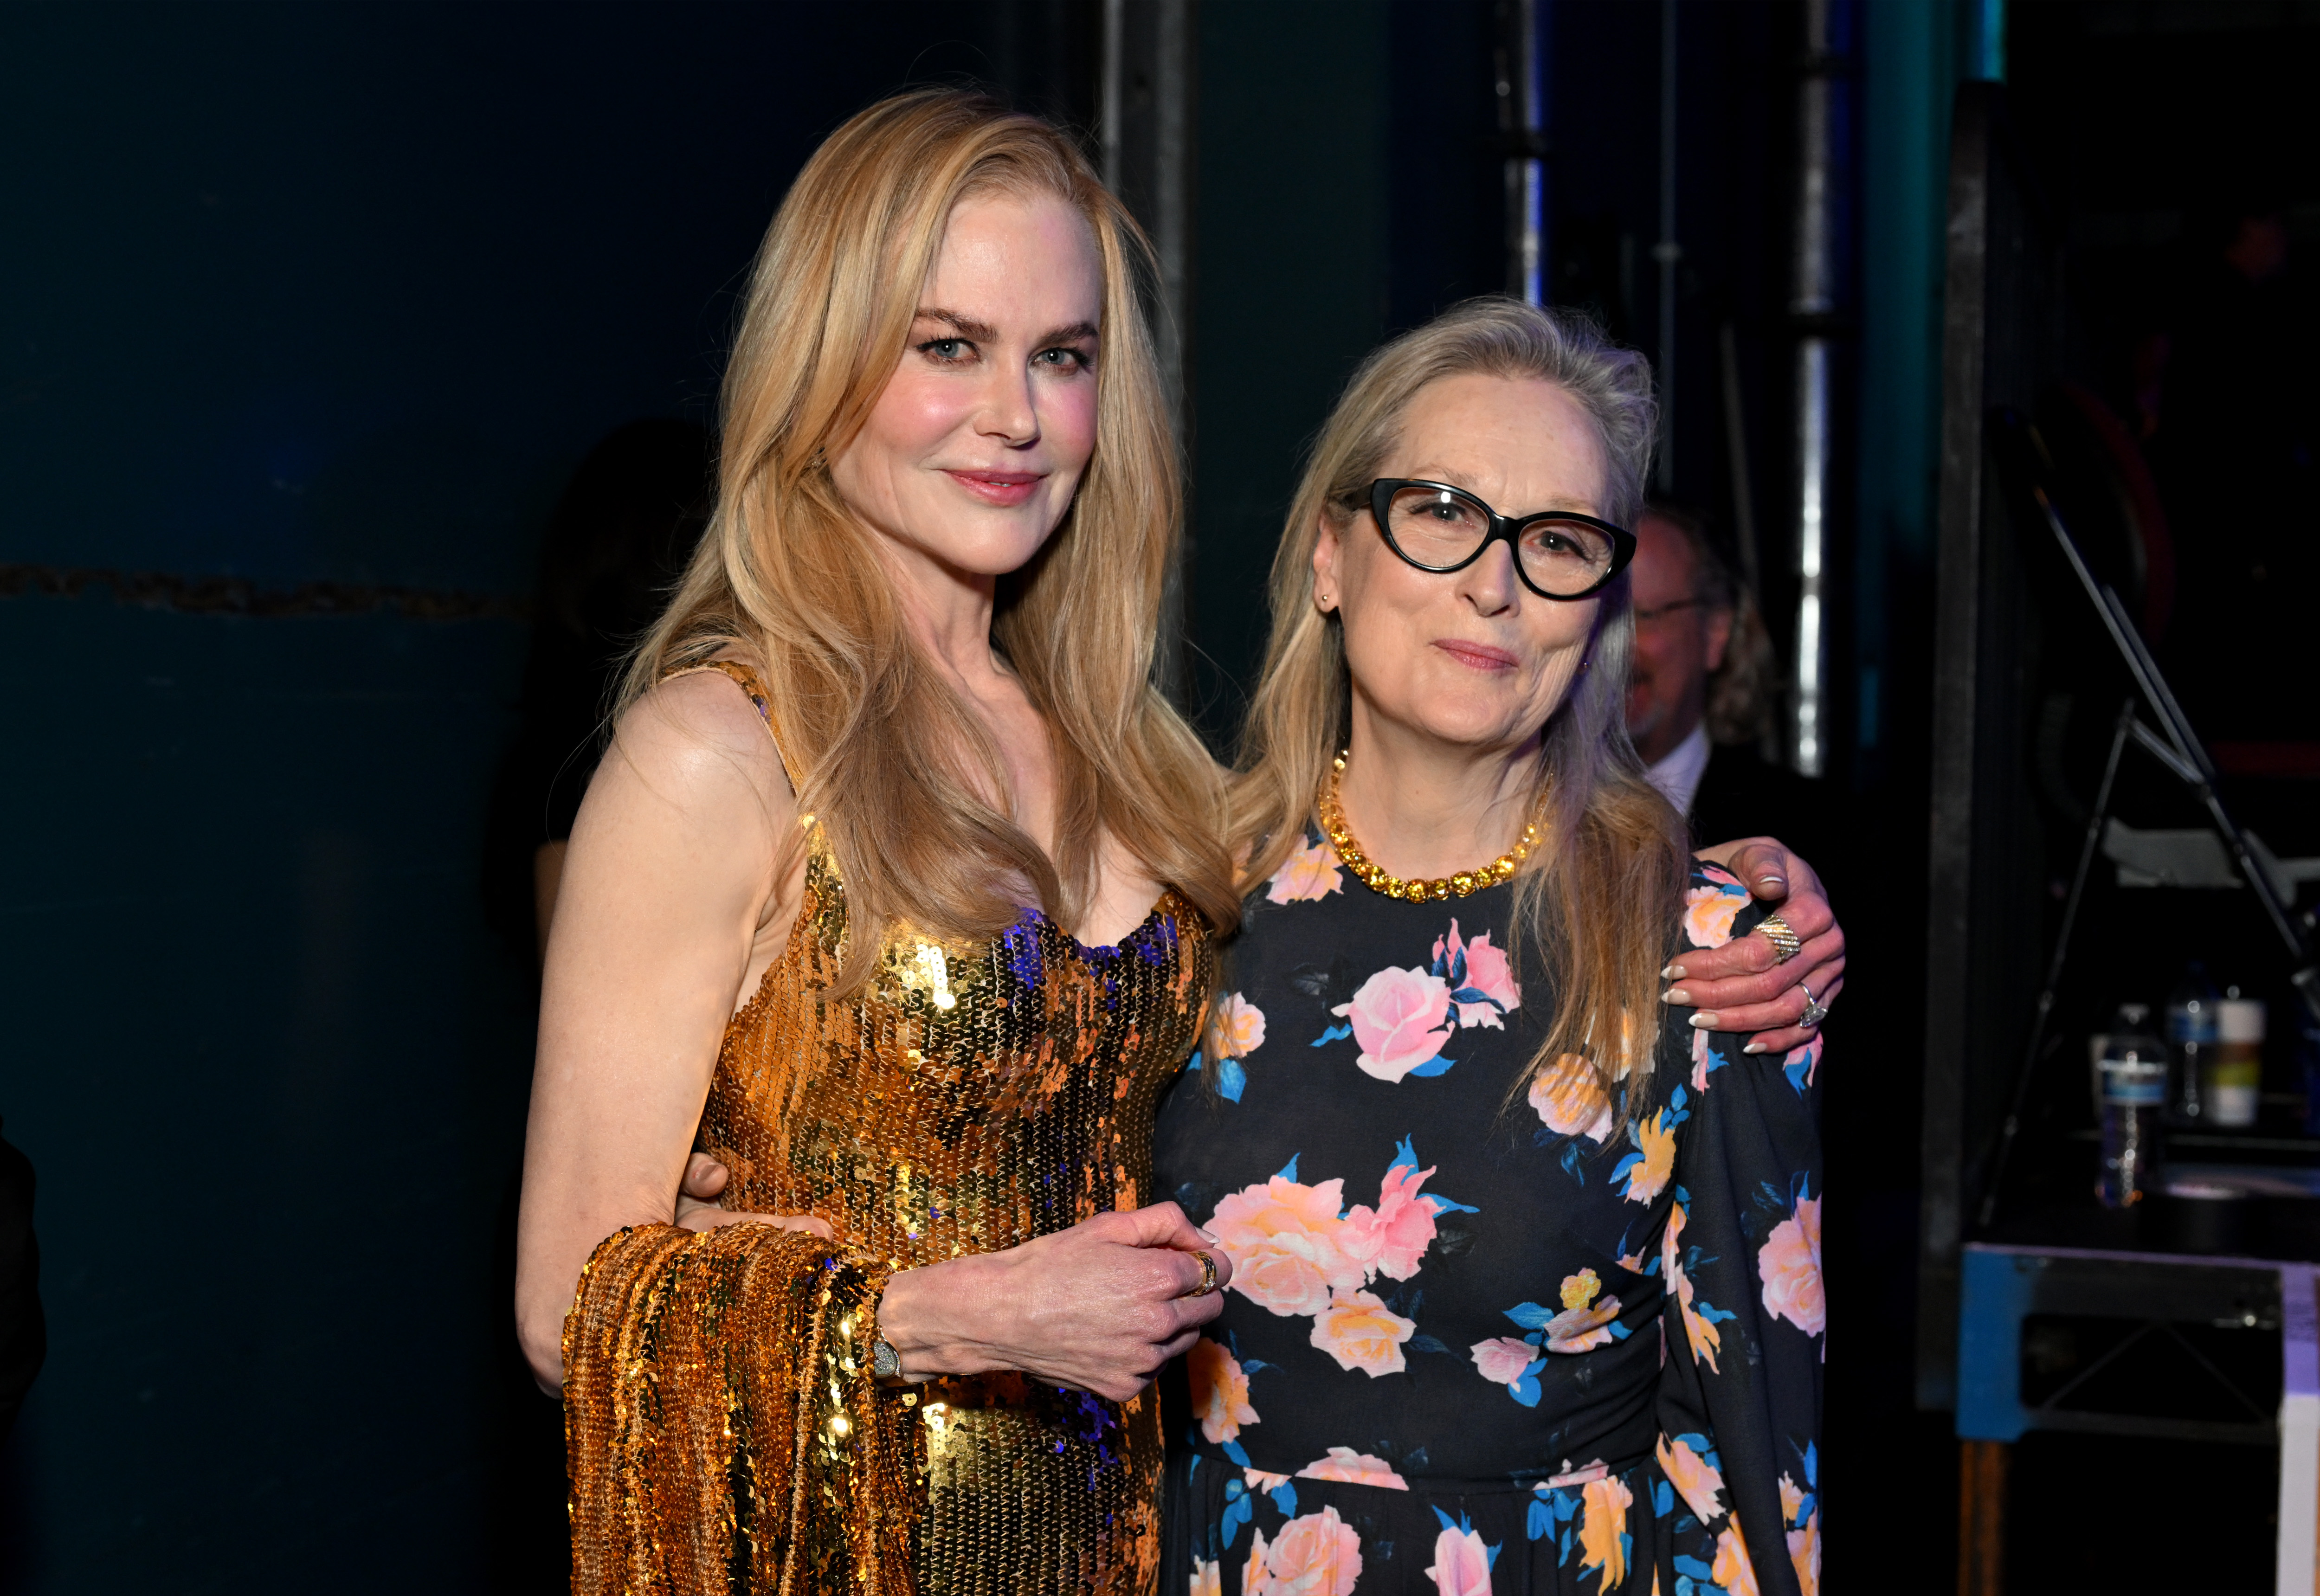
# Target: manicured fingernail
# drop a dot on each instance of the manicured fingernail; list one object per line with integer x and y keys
{"x": 1776, "y": 882}
{"x": 1205, "y": 1235}
{"x": 1673, "y": 972}
{"x": 1703, "y": 1023}
{"x": 1755, "y": 1047}
{"x": 1677, "y": 995}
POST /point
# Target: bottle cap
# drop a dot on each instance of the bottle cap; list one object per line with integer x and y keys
{"x": 2239, "y": 1020}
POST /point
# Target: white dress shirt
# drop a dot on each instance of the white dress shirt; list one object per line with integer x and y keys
{"x": 1677, "y": 776}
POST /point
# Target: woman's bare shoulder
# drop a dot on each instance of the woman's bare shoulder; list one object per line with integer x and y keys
{"x": 698, "y": 737}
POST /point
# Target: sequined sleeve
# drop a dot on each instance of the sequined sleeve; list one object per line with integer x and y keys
{"x": 721, "y": 1427}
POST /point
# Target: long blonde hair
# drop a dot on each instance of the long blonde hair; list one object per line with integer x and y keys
{"x": 1594, "y": 903}
{"x": 885, "y": 752}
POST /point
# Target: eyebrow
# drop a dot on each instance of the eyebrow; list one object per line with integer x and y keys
{"x": 984, "y": 332}
{"x": 964, "y": 326}
{"x": 1438, "y": 474}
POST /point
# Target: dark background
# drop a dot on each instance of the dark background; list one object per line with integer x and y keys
{"x": 306, "y": 294}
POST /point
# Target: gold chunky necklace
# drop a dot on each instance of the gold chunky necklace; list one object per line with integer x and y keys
{"x": 1466, "y": 881}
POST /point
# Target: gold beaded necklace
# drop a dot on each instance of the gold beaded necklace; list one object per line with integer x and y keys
{"x": 1466, "y": 881}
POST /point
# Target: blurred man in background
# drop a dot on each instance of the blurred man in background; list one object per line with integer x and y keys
{"x": 1699, "y": 692}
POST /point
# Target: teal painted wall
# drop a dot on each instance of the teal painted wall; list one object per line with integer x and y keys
{"x": 1291, "y": 289}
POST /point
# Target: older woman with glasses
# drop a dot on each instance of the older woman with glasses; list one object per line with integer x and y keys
{"x": 1525, "y": 1290}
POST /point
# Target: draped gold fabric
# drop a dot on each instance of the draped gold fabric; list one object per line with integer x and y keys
{"x": 722, "y": 1432}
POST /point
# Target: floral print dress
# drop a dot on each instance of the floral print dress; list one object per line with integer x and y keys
{"x": 1486, "y": 1334}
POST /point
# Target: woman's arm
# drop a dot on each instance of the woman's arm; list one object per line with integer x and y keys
{"x": 670, "y": 877}
{"x": 662, "y": 922}
{"x": 1740, "y": 1390}
{"x": 1745, "y": 985}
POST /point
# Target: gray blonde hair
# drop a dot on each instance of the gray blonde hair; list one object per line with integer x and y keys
{"x": 1593, "y": 905}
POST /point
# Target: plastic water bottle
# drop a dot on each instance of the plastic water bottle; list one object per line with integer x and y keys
{"x": 2130, "y": 1090}
{"x": 2191, "y": 1039}
{"x": 2235, "y": 1074}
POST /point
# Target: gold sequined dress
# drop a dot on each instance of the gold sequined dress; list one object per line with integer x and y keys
{"x": 723, "y": 1429}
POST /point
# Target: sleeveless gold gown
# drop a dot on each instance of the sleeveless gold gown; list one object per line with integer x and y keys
{"x": 723, "y": 1429}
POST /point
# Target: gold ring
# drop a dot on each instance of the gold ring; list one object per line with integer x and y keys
{"x": 1776, "y": 931}
{"x": 1208, "y": 1274}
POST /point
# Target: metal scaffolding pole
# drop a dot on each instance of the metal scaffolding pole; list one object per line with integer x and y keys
{"x": 1812, "y": 302}
{"x": 1522, "y": 121}
{"x": 1145, "y": 105}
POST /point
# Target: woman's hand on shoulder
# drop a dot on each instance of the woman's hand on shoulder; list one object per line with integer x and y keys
{"x": 1101, "y": 1306}
{"x": 1745, "y": 985}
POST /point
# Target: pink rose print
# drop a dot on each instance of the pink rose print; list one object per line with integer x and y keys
{"x": 1310, "y": 875}
{"x": 1708, "y": 912}
{"x": 1258, "y": 1481}
{"x": 1571, "y": 1100}
{"x": 1283, "y": 1239}
{"x": 1220, "y": 1391}
{"x": 1584, "y": 1475}
{"x": 1207, "y": 1578}
{"x": 1481, "y": 986}
{"x": 1804, "y": 1556}
{"x": 1789, "y": 1266}
{"x": 1648, "y": 1169}
{"x": 1603, "y": 1529}
{"x": 1502, "y": 1360}
{"x": 1804, "y": 1537}
{"x": 1349, "y": 1467}
{"x": 1462, "y": 1563}
{"x": 1584, "y": 1322}
{"x": 1699, "y": 1482}
{"x": 1236, "y": 1028}
{"x": 1700, "y": 1319}
{"x": 1361, "y": 1332}
{"x": 1399, "y": 1018}
{"x": 1392, "y": 1237}
{"x": 1318, "y": 1554}
{"x": 1733, "y": 1571}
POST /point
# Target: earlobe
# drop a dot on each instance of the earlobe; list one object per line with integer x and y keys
{"x": 1719, "y": 639}
{"x": 1325, "y": 565}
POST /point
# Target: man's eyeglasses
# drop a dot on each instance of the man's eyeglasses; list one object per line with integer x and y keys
{"x": 1657, "y": 610}
{"x": 1559, "y": 554}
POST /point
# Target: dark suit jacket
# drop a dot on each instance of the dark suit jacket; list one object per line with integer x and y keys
{"x": 1741, "y": 796}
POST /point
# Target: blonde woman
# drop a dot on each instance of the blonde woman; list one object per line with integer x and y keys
{"x": 889, "y": 914}
{"x": 1526, "y": 1291}
{"x": 892, "y": 894}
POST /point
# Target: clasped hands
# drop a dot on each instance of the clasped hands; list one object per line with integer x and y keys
{"x": 1101, "y": 1306}
{"x": 1105, "y": 1304}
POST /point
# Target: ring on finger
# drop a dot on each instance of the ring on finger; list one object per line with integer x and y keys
{"x": 1208, "y": 1274}
{"x": 1784, "y": 941}
{"x": 1815, "y": 1009}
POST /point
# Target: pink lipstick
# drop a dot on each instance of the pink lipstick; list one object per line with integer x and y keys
{"x": 1002, "y": 489}
{"x": 1478, "y": 655}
